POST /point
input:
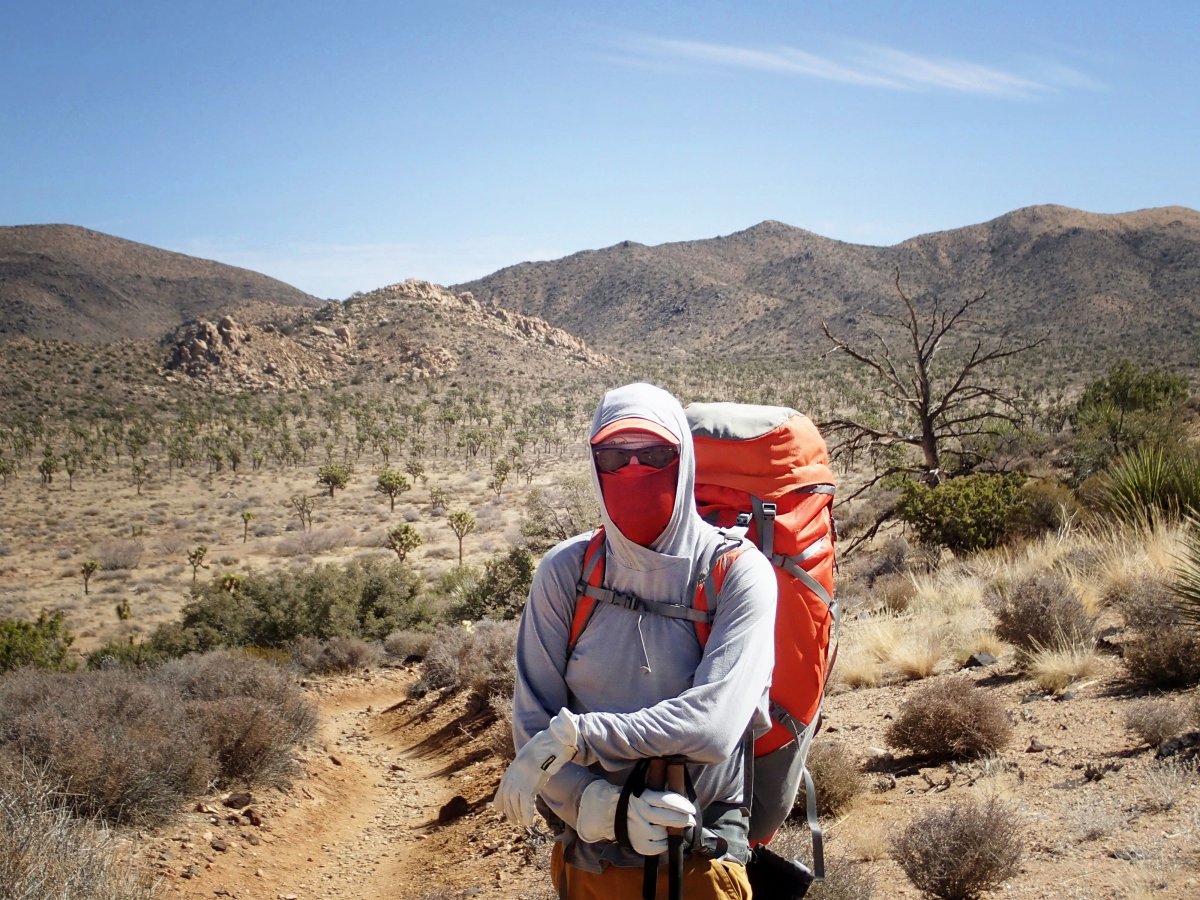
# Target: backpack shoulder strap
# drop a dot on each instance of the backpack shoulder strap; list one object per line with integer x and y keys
{"x": 712, "y": 579}
{"x": 591, "y": 576}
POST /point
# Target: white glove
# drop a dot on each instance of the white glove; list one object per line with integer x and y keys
{"x": 598, "y": 812}
{"x": 651, "y": 814}
{"x": 541, "y": 757}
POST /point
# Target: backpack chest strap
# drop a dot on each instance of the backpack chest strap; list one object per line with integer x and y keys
{"x": 626, "y": 600}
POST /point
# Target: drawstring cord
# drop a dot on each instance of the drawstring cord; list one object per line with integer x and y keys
{"x": 642, "y": 638}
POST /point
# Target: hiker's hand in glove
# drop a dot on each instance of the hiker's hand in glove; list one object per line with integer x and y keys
{"x": 651, "y": 814}
{"x": 541, "y": 757}
{"x": 596, "y": 820}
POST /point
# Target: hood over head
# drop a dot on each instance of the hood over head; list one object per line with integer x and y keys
{"x": 659, "y": 413}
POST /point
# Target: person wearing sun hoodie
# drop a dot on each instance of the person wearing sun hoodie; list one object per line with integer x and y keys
{"x": 637, "y": 684}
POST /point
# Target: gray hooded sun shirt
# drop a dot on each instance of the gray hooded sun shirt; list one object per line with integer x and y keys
{"x": 640, "y": 682}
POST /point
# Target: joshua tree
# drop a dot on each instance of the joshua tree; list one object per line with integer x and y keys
{"x": 123, "y": 610}
{"x": 438, "y": 498}
{"x": 304, "y": 509}
{"x": 139, "y": 472}
{"x": 500, "y": 470}
{"x": 88, "y": 569}
{"x": 48, "y": 466}
{"x": 392, "y": 483}
{"x": 7, "y": 467}
{"x": 462, "y": 523}
{"x": 195, "y": 559}
{"x": 334, "y": 476}
{"x": 402, "y": 539}
{"x": 413, "y": 467}
{"x": 247, "y": 516}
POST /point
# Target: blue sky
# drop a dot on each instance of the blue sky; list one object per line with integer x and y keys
{"x": 345, "y": 146}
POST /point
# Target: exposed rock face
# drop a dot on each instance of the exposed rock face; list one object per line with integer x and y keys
{"x": 231, "y": 358}
{"x": 409, "y": 331}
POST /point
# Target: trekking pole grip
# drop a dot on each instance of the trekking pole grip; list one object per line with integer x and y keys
{"x": 677, "y": 782}
{"x": 656, "y": 780}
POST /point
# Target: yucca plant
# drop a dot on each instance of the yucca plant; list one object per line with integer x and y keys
{"x": 1152, "y": 481}
{"x": 1187, "y": 575}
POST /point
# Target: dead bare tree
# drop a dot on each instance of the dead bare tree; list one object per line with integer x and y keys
{"x": 934, "y": 397}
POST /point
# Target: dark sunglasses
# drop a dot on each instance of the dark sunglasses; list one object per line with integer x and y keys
{"x": 609, "y": 459}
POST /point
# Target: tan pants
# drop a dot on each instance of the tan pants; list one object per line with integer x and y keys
{"x": 703, "y": 879}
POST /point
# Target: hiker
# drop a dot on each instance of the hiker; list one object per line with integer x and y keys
{"x": 637, "y": 685}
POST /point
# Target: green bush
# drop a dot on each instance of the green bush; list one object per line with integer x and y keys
{"x": 501, "y": 592}
{"x": 365, "y": 599}
{"x": 1127, "y": 409}
{"x": 42, "y": 644}
{"x": 1164, "y": 652}
{"x": 964, "y": 514}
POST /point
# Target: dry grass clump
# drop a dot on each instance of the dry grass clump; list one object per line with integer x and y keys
{"x": 961, "y": 851}
{"x": 950, "y": 718}
{"x": 46, "y": 852}
{"x": 1056, "y": 668}
{"x": 1040, "y": 611}
{"x": 894, "y": 593}
{"x": 1168, "y": 782}
{"x": 335, "y": 655}
{"x": 1156, "y": 721}
{"x": 918, "y": 655}
{"x": 837, "y": 778}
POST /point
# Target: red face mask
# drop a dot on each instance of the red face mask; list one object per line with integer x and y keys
{"x": 640, "y": 499}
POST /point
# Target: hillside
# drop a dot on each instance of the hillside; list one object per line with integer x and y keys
{"x": 1119, "y": 281}
{"x": 65, "y": 283}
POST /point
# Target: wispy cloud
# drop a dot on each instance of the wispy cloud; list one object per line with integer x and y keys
{"x": 866, "y": 65}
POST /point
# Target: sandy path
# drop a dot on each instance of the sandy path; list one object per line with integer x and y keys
{"x": 361, "y": 823}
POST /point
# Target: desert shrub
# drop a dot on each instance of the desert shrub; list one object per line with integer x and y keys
{"x": 502, "y": 590}
{"x": 961, "y": 851}
{"x": 838, "y": 780}
{"x": 337, "y": 654}
{"x": 366, "y": 598}
{"x": 47, "y": 852}
{"x": 310, "y": 543}
{"x": 1165, "y": 657}
{"x": 408, "y": 643}
{"x": 1168, "y": 781}
{"x": 1040, "y": 611}
{"x": 1044, "y": 506}
{"x": 479, "y": 656}
{"x": 125, "y": 654}
{"x": 251, "y": 715}
{"x": 952, "y": 718}
{"x": 118, "y": 747}
{"x": 119, "y": 554}
{"x": 1152, "y": 481}
{"x": 1155, "y": 721}
{"x": 555, "y": 513}
{"x": 42, "y": 644}
{"x": 489, "y": 669}
{"x": 894, "y": 593}
{"x": 1164, "y": 652}
{"x": 964, "y": 514}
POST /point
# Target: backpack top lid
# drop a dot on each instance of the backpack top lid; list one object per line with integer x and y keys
{"x": 767, "y": 451}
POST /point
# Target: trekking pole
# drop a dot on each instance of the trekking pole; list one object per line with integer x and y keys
{"x": 677, "y": 782}
{"x": 656, "y": 779}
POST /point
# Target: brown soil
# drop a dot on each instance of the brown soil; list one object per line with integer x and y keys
{"x": 361, "y": 820}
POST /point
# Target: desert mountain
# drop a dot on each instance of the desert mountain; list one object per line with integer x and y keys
{"x": 1130, "y": 280}
{"x": 62, "y": 282}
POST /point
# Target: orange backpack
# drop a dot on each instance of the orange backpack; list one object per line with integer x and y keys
{"x": 763, "y": 471}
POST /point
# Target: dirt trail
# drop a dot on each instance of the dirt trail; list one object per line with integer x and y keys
{"x": 362, "y": 820}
